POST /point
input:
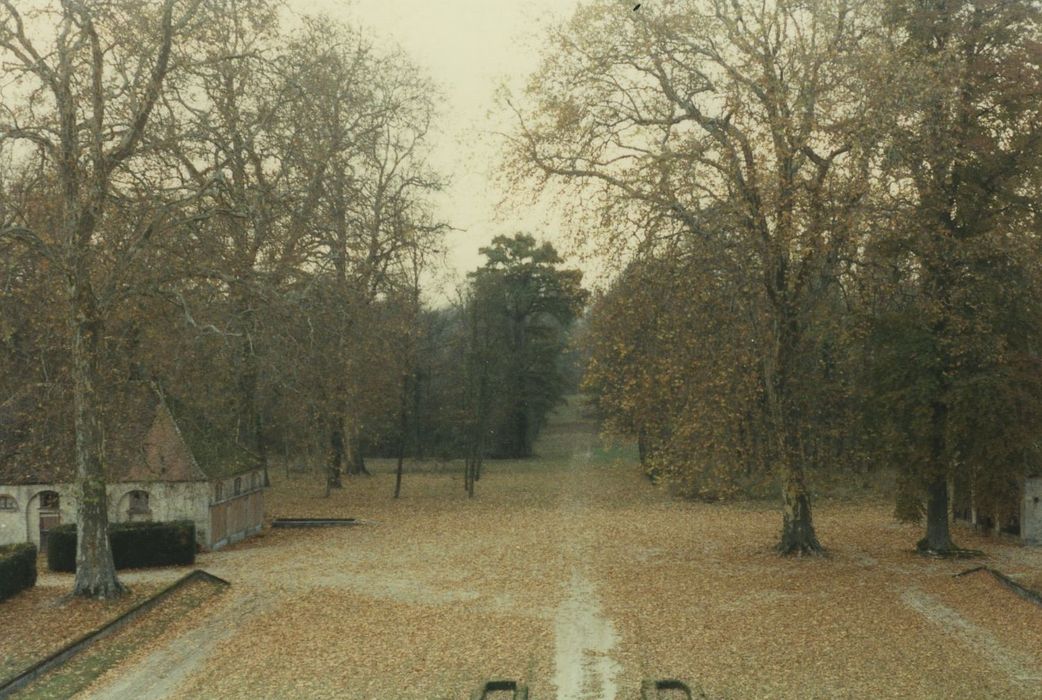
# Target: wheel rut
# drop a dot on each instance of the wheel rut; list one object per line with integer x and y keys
{"x": 584, "y": 639}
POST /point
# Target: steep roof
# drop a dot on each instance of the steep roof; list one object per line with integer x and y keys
{"x": 144, "y": 441}
{"x": 215, "y": 450}
{"x": 34, "y": 439}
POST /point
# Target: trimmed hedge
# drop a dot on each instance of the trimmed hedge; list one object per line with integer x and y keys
{"x": 134, "y": 545}
{"x": 61, "y": 547}
{"x": 17, "y": 568}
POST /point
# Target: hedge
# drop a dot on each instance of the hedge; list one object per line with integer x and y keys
{"x": 134, "y": 545}
{"x": 17, "y": 568}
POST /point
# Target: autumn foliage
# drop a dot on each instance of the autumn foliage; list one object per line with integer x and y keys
{"x": 826, "y": 217}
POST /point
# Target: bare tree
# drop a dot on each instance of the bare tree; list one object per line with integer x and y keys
{"x": 368, "y": 116}
{"x": 231, "y": 110}
{"x": 721, "y": 121}
{"x": 87, "y": 97}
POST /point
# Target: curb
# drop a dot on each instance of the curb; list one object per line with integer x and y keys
{"x": 1025, "y": 593}
{"x": 10, "y": 685}
{"x": 520, "y": 689}
{"x": 315, "y": 522}
{"x": 649, "y": 689}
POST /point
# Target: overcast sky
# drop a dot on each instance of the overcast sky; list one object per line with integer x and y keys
{"x": 468, "y": 47}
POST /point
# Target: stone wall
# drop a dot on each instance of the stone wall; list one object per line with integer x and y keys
{"x": 237, "y": 501}
{"x": 177, "y": 500}
{"x": 187, "y": 500}
{"x": 23, "y": 524}
{"x": 1031, "y": 511}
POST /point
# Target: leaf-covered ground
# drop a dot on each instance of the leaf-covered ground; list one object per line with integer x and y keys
{"x": 125, "y": 644}
{"x": 572, "y": 573}
{"x": 42, "y": 619}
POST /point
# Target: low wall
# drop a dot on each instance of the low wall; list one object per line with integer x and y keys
{"x": 235, "y": 518}
{"x": 1031, "y": 512}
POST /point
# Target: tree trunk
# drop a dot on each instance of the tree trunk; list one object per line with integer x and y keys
{"x": 250, "y": 422}
{"x": 95, "y": 571}
{"x": 336, "y": 461}
{"x": 353, "y": 451}
{"x": 798, "y": 535}
{"x": 523, "y": 448}
{"x": 938, "y": 535}
{"x": 973, "y": 500}
{"x": 950, "y": 482}
{"x": 471, "y": 467}
{"x": 484, "y": 408}
{"x": 398, "y": 471}
{"x": 285, "y": 456}
{"x": 403, "y": 427}
{"x": 419, "y": 436}
{"x": 262, "y": 447}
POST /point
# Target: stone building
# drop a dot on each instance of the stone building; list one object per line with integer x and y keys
{"x": 1014, "y": 508}
{"x": 159, "y": 467}
{"x": 1031, "y": 511}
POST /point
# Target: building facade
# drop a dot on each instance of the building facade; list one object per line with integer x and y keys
{"x": 153, "y": 475}
{"x": 1031, "y": 511}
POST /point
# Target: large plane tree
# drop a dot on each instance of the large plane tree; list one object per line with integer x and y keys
{"x": 87, "y": 79}
{"x": 734, "y": 124}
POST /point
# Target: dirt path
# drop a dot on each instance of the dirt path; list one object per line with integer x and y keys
{"x": 583, "y": 643}
{"x": 160, "y": 672}
{"x": 1020, "y": 668}
{"x": 584, "y": 638}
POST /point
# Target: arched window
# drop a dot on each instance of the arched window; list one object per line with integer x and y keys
{"x": 138, "y": 503}
{"x": 219, "y": 491}
{"x": 8, "y": 503}
{"x": 238, "y": 485}
{"x": 49, "y": 500}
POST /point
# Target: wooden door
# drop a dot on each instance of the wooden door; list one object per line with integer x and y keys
{"x": 47, "y": 521}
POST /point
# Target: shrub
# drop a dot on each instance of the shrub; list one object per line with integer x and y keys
{"x": 134, "y": 545}
{"x": 61, "y": 548}
{"x": 17, "y": 568}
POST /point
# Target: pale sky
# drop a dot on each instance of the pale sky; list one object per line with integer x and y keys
{"x": 468, "y": 47}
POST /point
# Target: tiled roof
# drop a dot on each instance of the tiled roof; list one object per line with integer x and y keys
{"x": 143, "y": 439}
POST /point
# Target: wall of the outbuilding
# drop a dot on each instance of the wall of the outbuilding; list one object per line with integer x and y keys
{"x": 184, "y": 500}
{"x": 235, "y": 515}
{"x": 23, "y": 524}
{"x": 167, "y": 500}
{"x": 1031, "y": 511}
